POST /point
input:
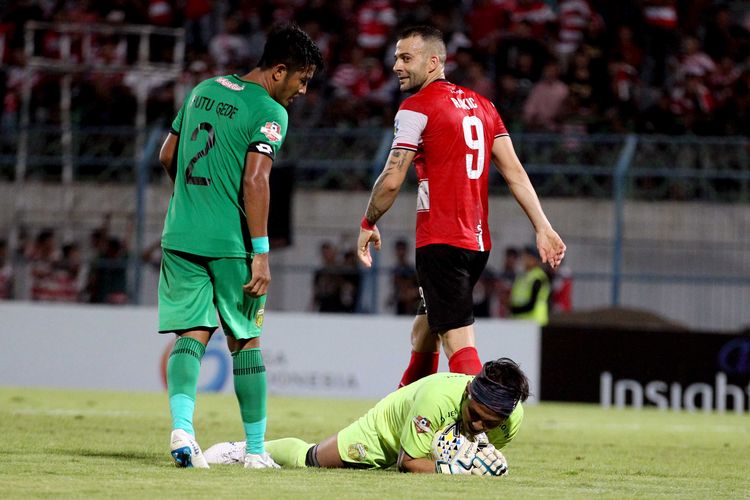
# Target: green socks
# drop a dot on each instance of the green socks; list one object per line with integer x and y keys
{"x": 288, "y": 452}
{"x": 250, "y": 388}
{"x": 183, "y": 368}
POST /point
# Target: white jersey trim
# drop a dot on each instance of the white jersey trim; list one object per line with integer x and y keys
{"x": 408, "y": 128}
{"x": 423, "y": 196}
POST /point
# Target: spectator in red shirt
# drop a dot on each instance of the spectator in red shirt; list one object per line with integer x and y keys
{"x": 661, "y": 38}
{"x": 537, "y": 14}
{"x": 375, "y": 20}
{"x": 575, "y": 15}
{"x": 6, "y": 273}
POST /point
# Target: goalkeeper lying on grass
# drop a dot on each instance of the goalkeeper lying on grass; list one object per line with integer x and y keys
{"x": 401, "y": 429}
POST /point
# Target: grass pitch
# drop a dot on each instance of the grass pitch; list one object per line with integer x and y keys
{"x": 108, "y": 444}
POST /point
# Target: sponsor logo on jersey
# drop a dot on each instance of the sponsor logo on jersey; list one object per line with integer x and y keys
{"x": 422, "y": 424}
{"x": 357, "y": 451}
{"x": 230, "y": 85}
{"x": 259, "y": 317}
{"x": 272, "y": 131}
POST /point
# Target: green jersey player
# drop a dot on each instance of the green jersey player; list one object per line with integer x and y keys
{"x": 219, "y": 154}
{"x": 399, "y": 430}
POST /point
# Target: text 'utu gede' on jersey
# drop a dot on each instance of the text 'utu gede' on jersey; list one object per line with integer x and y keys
{"x": 222, "y": 119}
{"x": 451, "y": 129}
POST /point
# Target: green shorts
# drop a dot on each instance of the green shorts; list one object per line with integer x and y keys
{"x": 361, "y": 447}
{"x": 192, "y": 289}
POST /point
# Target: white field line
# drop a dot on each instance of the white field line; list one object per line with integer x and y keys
{"x": 78, "y": 411}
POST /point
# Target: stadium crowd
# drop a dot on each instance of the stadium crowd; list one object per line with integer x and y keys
{"x": 576, "y": 66}
{"x": 46, "y": 267}
{"x": 336, "y": 283}
{"x": 557, "y": 66}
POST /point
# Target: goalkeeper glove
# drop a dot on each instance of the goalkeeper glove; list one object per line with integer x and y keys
{"x": 489, "y": 462}
{"x": 443, "y": 467}
{"x": 462, "y": 461}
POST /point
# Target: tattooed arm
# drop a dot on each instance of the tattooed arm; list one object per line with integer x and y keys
{"x": 388, "y": 184}
{"x": 382, "y": 197}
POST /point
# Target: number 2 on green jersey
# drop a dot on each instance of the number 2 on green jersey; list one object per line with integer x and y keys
{"x": 189, "y": 177}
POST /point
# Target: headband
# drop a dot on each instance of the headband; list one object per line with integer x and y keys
{"x": 493, "y": 395}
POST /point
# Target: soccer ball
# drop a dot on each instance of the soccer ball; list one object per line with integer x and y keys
{"x": 447, "y": 442}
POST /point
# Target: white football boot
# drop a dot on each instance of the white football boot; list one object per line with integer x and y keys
{"x": 264, "y": 461}
{"x": 232, "y": 452}
{"x": 185, "y": 451}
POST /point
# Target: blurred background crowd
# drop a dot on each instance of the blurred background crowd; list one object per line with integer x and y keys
{"x": 44, "y": 268}
{"x": 575, "y": 70}
{"x": 585, "y": 66}
{"x": 337, "y": 283}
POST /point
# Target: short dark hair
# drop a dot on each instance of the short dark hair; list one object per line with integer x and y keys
{"x": 431, "y": 36}
{"x": 426, "y": 32}
{"x": 287, "y": 44}
{"x": 506, "y": 372}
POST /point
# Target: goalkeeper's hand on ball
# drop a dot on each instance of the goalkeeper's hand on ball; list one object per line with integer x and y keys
{"x": 489, "y": 461}
{"x": 462, "y": 462}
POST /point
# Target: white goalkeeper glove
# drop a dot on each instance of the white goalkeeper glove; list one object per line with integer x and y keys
{"x": 462, "y": 461}
{"x": 489, "y": 462}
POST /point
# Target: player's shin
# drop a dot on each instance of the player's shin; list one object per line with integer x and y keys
{"x": 289, "y": 452}
{"x": 421, "y": 365}
{"x": 250, "y": 388}
{"x": 183, "y": 368}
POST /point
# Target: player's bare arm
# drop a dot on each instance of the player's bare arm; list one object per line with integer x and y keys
{"x": 256, "y": 193}
{"x": 551, "y": 246}
{"x": 406, "y": 463}
{"x": 388, "y": 184}
{"x": 167, "y": 155}
{"x": 384, "y": 193}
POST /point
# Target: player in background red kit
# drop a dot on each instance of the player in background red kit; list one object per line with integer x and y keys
{"x": 451, "y": 134}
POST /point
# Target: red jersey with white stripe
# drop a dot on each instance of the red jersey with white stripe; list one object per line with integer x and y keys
{"x": 661, "y": 13}
{"x": 452, "y": 129}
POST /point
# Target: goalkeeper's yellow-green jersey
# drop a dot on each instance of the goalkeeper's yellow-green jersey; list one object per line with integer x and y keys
{"x": 222, "y": 119}
{"x": 409, "y": 418}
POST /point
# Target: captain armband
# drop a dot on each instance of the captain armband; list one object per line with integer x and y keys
{"x": 262, "y": 148}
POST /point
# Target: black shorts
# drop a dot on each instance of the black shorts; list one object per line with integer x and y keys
{"x": 446, "y": 277}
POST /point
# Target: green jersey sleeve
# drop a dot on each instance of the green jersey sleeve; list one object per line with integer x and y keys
{"x": 177, "y": 122}
{"x": 436, "y": 404}
{"x": 269, "y": 133}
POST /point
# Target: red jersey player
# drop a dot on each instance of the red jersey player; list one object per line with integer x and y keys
{"x": 451, "y": 134}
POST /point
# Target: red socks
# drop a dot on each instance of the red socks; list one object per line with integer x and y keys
{"x": 465, "y": 360}
{"x": 420, "y": 365}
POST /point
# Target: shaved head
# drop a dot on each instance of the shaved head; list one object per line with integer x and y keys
{"x": 433, "y": 40}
